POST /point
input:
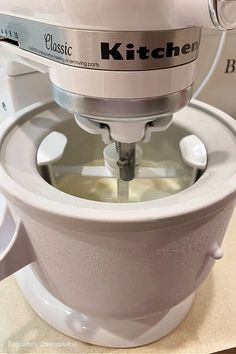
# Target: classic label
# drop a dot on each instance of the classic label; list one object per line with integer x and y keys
{"x": 59, "y": 48}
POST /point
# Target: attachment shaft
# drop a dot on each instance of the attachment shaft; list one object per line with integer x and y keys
{"x": 126, "y": 162}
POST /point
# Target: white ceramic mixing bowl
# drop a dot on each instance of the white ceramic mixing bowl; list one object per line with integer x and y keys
{"x": 115, "y": 262}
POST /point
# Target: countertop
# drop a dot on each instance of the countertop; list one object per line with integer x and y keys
{"x": 209, "y": 327}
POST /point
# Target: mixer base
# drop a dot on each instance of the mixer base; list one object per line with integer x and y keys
{"x": 103, "y": 332}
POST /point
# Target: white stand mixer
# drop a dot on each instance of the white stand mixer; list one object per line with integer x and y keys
{"x": 123, "y": 69}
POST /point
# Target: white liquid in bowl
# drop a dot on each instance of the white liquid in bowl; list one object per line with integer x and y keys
{"x": 140, "y": 190}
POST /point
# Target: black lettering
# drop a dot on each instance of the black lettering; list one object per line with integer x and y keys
{"x": 54, "y": 47}
{"x": 69, "y": 51}
{"x": 158, "y": 53}
{"x": 195, "y": 46}
{"x": 186, "y": 49}
{"x": 130, "y": 54}
{"x": 113, "y": 52}
{"x": 48, "y": 39}
{"x": 59, "y": 49}
{"x": 143, "y": 53}
{"x": 171, "y": 50}
{"x": 231, "y": 66}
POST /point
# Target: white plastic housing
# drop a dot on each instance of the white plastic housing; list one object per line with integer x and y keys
{"x": 113, "y": 14}
{"x": 106, "y": 84}
{"x": 22, "y": 90}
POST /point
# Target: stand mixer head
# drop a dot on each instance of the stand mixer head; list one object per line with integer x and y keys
{"x": 123, "y": 73}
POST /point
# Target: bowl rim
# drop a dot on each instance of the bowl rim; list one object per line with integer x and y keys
{"x": 109, "y": 213}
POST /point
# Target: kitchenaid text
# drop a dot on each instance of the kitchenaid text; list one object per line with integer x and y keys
{"x": 119, "y": 52}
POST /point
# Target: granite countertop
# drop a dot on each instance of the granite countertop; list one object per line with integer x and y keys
{"x": 209, "y": 327}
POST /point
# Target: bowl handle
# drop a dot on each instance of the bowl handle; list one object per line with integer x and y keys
{"x": 15, "y": 248}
